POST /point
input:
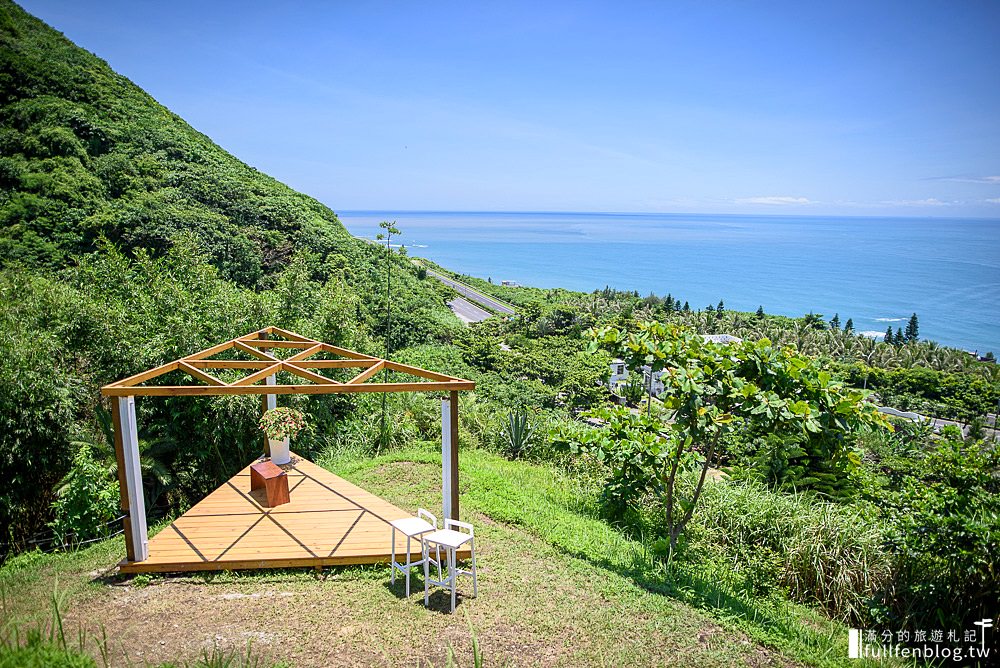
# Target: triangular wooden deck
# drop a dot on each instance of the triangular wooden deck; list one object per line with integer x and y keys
{"x": 327, "y": 522}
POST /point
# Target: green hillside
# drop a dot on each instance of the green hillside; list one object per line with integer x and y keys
{"x": 128, "y": 238}
{"x": 88, "y": 154}
{"x": 89, "y": 160}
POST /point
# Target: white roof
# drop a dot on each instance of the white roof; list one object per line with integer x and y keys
{"x": 721, "y": 338}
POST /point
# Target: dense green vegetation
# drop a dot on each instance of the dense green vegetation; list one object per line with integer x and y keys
{"x": 911, "y": 374}
{"x": 127, "y": 238}
{"x": 895, "y": 527}
{"x": 86, "y": 155}
{"x": 760, "y": 479}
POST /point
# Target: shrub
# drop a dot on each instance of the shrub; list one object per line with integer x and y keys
{"x": 40, "y": 397}
{"x": 820, "y": 552}
{"x": 944, "y": 515}
{"x": 87, "y": 501}
{"x": 282, "y": 422}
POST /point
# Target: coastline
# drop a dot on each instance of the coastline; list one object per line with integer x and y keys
{"x": 876, "y": 274}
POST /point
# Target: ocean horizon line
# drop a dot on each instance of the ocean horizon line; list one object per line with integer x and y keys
{"x": 762, "y": 214}
{"x": 876, "y": 270}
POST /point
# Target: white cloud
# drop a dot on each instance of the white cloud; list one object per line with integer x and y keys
{"x": 994, "y": 200}
{"x": 988, "y": 180}
{"x": 930, "y": 201}
{"x": 780, "y": 201}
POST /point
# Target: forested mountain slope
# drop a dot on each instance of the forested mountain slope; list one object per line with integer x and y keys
{"x": 127, "y": 239}
{"x": 86, "y": 153}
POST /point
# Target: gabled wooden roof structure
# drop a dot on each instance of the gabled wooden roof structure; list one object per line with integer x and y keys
{"x": 304, "y": 363}
{"x": 269, "y": 362}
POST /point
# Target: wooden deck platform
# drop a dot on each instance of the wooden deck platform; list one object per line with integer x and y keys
{"x": 328, "y": 522}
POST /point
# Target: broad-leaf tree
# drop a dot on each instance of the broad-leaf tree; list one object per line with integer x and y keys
{"x": 711, "y": 390}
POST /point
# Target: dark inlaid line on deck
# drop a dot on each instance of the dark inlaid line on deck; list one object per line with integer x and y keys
{"x": 249, "y": 499}
{"x": 291, "y": 535}
{"x": 346, "y": 498}
{"x": 239, "y": 538}
{"x": 349, "y": 529}
{"x": 188, "y": 541}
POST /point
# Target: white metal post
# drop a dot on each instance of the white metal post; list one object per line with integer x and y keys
{"x": 272, "y": 399}
{"x": 133, "y": 477}
{"x": 446, "y": 445}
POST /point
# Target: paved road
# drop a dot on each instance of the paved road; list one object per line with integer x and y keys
{"x": 462, "y": 308}
{"x": 478, "y": 297}
{"x": 467, "y": 311}
{"x": 937, "y": 423}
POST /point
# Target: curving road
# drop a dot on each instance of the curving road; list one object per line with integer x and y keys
{"x": 467, "y": 311}
{"x": 474, "y": 295}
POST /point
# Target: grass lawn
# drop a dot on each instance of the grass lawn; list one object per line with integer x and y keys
{"x": 556, "y": 587}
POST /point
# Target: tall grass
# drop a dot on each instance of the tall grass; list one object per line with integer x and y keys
{"x": 819, "y": 552}
{"x": 47, "y": 644}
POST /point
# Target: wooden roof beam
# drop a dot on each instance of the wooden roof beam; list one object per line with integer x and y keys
{"x": 367, "y": 373}
{"x": 199, "y": 374}
{"x": 308, "y": 375}
{"x": 266, "y": 365}
{"x": 336, "y": 364}
{"x": 250, "y": 350}
{"x": 331, "y": 388}
{"x": 274, "y": 343}
{"x": 254, "y": 377}
{"x": 292, "y": 336}
{"x": 344, "y": 352}
{"x": 208, "y": 352}
{"x": 232, "y": 364}
{"x": 146, "y": 375}
{"x": 308, "y": 352}
{"x": 420, "y": 373}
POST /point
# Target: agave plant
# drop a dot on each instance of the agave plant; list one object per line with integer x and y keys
{"x": 518, "y": 431}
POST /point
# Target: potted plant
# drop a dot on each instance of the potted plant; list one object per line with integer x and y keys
{"x": 280, "y": 424}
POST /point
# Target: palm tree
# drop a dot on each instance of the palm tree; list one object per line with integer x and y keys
{"x": 865, "y": 351}
{"x": 157, "y": 478}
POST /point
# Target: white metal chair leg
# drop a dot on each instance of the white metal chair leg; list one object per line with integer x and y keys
{"x": 408, "y": 557}
{"x": 475, "y": 577}
{"x": 451, "y": 576}
{"x": 425, "y": 552}
{"x": 392, "y": 559}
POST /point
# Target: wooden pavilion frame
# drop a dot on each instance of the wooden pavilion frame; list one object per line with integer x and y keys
{"x": 305, "y": 359}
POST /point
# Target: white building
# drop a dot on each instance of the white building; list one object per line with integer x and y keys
{"x": 619, "y": 376}
{"x": 721, "y": 338}
{"x": 619, "y": 371}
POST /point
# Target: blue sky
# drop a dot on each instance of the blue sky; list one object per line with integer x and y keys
{"x": 868, "y": 108}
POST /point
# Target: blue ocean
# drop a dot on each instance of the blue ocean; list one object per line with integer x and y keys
{"x": 875, "y": 270}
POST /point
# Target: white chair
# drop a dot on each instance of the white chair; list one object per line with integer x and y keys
{"x": 449, "y": 540}
{"x": 411, "y": 527}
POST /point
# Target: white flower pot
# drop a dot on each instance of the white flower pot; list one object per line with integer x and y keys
{"x": 279, "y": 451}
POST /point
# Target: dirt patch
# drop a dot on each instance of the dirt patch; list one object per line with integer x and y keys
{"x": 180, "y": 619}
